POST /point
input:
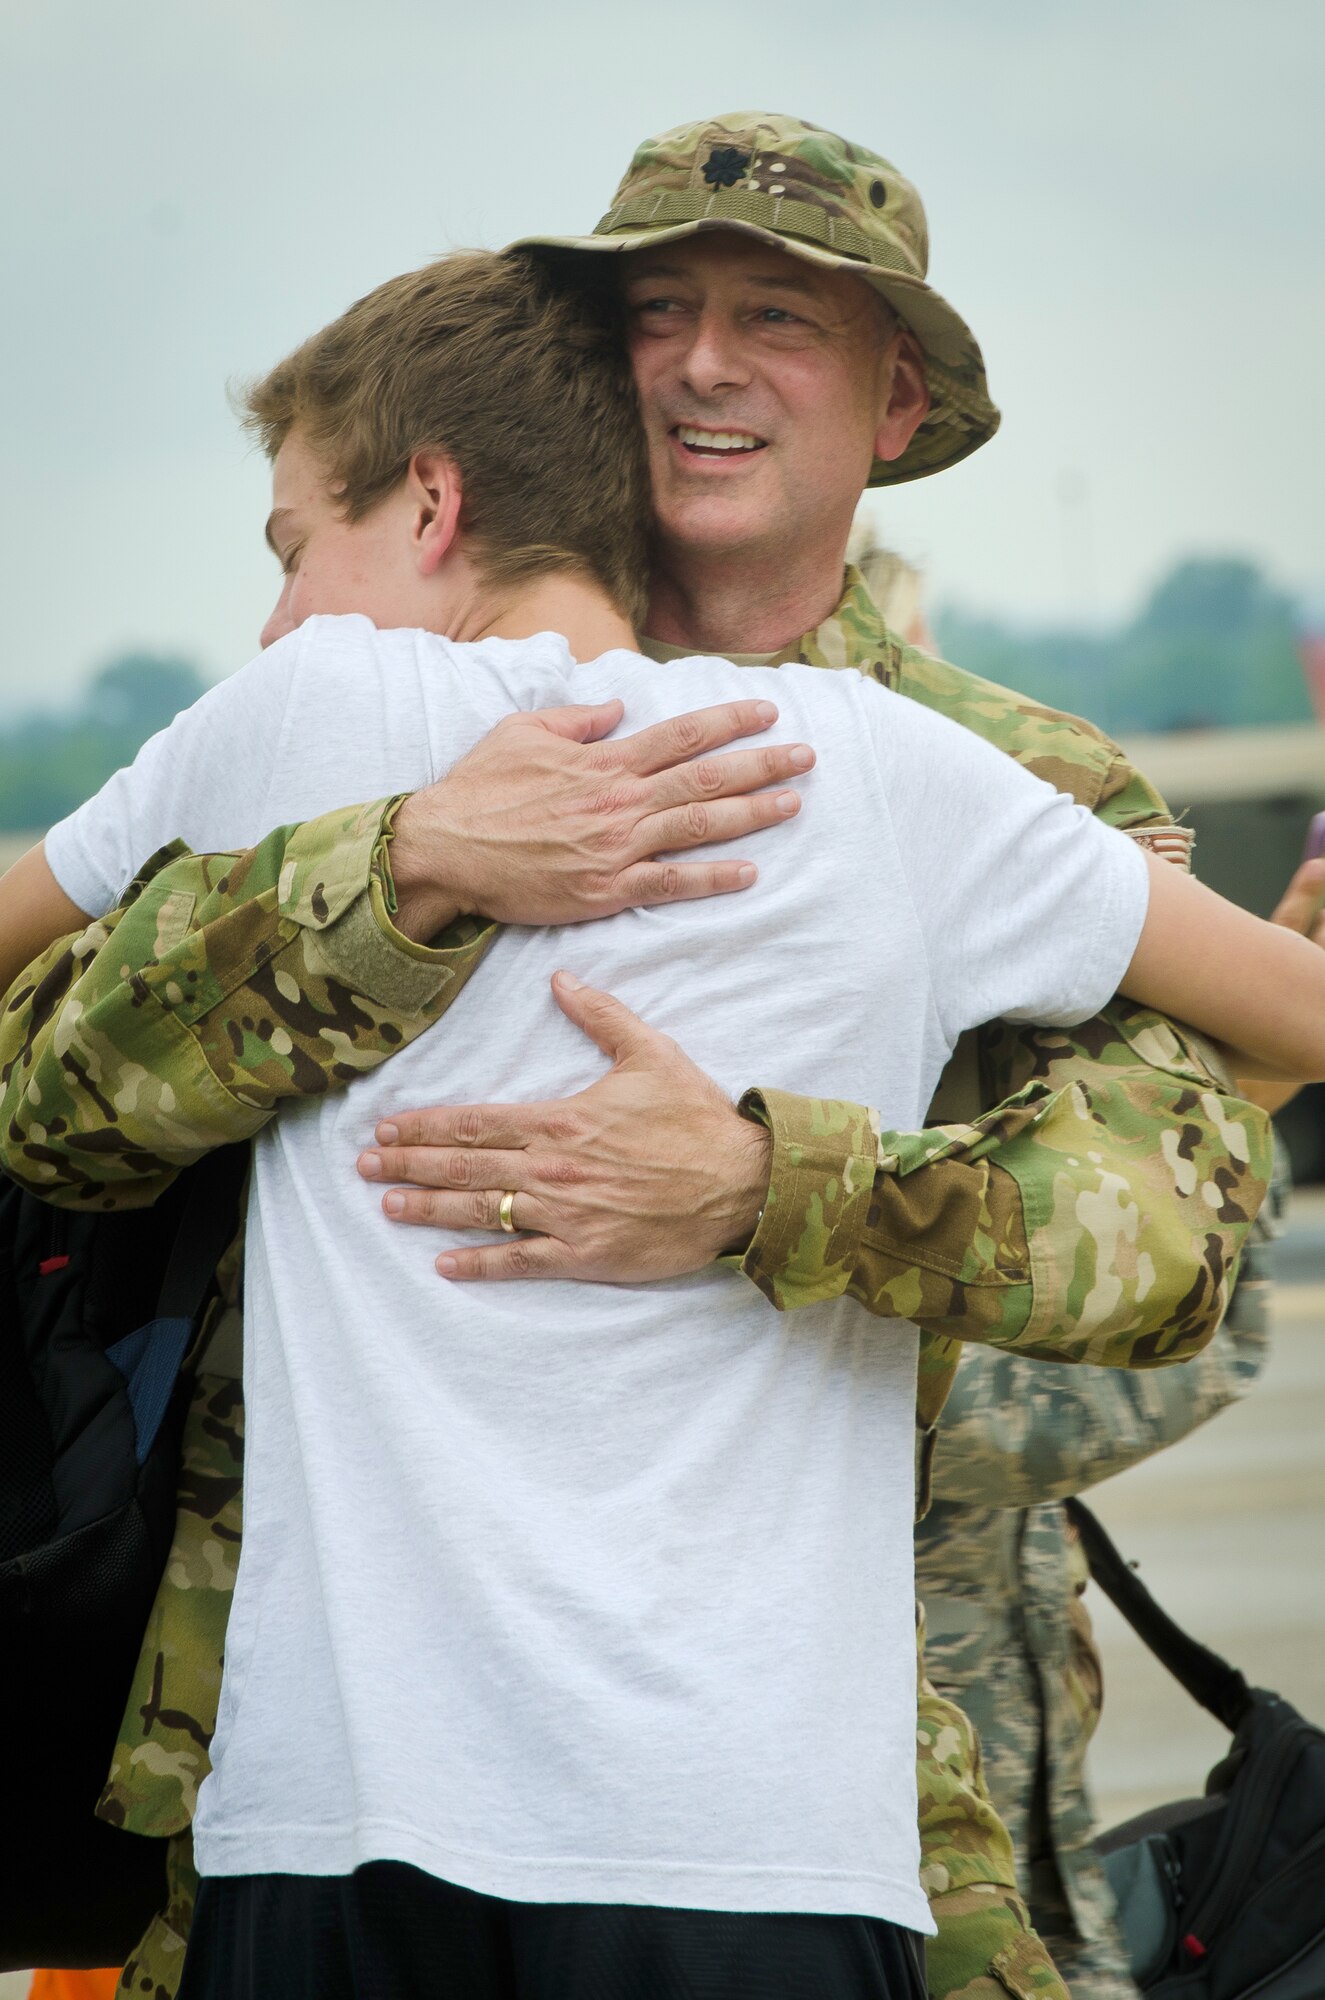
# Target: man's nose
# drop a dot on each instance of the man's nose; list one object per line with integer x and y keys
{"x": 715, "y": 360}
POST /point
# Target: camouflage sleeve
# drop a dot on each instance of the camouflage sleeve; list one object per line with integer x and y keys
{"x": 1094, "y": 1215}
{"x": 1091, "y": 1203}
{"x": 1016, "y": 1433}
{"x": 218, "y": 987}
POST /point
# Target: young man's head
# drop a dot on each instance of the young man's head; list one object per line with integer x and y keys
{"x": 467, "y": 428}
{"x": 787, "y": 348}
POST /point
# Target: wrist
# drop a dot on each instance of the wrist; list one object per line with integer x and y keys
{"x": 418, "y": 869}
{"x": 749, "y": 1187}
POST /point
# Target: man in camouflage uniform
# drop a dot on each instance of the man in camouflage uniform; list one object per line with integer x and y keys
{"x": 1054, "y": 1223}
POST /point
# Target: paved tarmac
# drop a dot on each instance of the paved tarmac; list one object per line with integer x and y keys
{"x": 1229, "y": 1529}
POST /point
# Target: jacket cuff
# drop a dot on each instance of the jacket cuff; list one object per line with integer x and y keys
{"x": 329, "y": 862}
{"x": 337, "y": 880}
{"x": 825, "y": 1155}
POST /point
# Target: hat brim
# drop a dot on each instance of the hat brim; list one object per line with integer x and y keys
{"x": 961, "y": 416}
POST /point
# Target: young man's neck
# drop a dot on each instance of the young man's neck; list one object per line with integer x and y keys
{"x": 576, "y": 606}
{"x": 718, "y": 606}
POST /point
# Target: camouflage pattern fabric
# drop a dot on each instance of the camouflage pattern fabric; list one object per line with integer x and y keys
{"x": 156, "y": 1964}
{"x": 828, "y": 202}
{"x": 220, "y": 986}
{"x": 1095, "y": 1213}
{"x": 1001, "y": 1572}
{"x": 985, "y": 1243}
{"x": 163, "y": 1753}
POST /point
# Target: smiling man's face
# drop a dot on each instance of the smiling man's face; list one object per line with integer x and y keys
{"x": 765, "y": 384}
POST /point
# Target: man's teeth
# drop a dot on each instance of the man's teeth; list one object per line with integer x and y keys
{"x": 718, "y": 440}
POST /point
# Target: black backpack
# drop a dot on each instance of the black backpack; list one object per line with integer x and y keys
{"x": 1220, "y": 1897}
{"x": 97, "y": 1315}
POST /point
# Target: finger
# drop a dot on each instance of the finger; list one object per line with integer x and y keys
{"x": 444, "y": 1167}
{"x": 495, "y": 1125}
{"x": 725, "y": 777}
{"x": 1300, "y": 902}
{"x": 605, "y": 1020}
{"x": 652, "y": 882}
{"x": 580, "y": 723}
{"x": 480, "y": 1209}
{"x": 699, "y": 823}
{"x": 690, "y": 735}
{"x": 528, "y": 1257}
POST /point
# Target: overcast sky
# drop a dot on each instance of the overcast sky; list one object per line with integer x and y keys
{"x": 1125, "y": 201}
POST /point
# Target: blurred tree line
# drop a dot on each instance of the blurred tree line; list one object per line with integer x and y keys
{"x": 1215, "y": 646}
{"x": 50, "y": 763}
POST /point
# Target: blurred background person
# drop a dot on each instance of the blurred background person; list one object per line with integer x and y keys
{"x": 999, "y": 1567}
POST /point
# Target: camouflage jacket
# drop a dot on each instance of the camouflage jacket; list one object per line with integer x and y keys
{"x": 1055, "y": 1224}
{"x": 1000, "y": 1572}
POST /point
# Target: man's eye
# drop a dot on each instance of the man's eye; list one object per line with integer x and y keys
{"x": 659, "y": 305}
{"x": 290, "y": 560}
{"x": 778, "y": 316}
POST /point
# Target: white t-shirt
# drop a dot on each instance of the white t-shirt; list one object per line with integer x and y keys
{"x": 601, "y": 1593}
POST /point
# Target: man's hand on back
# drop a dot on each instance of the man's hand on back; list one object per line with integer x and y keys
{"x": 545, "y": 823}
{"x": 650, "y": 1173}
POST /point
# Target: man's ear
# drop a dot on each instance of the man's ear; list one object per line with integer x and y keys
{"x": 905, "y": 398}
{"x": 434, "y": 488}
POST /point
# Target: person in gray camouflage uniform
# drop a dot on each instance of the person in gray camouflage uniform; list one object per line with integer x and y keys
{"x": 999, "y": 1566}
{"x": 1001, "y": 1573}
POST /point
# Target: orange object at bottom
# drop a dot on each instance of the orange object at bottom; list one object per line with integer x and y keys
{"x": 74, "y": 1985}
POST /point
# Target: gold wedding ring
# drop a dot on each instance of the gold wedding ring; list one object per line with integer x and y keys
{"x": 504, "y": 1207}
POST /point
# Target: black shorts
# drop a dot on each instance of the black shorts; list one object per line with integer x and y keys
{"x": 391, "y": 1932}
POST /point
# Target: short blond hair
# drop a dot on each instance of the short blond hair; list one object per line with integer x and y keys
{"x": 519, "y": 377}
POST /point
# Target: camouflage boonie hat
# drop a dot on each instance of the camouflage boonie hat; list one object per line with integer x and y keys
{"x": 831, "y": 203}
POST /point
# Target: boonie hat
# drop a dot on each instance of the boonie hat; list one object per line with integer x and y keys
{"x": 829, "y": 203}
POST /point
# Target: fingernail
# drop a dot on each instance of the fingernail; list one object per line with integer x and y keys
{"x": 787, "y": 802}
{"x": 370, "y": 1165}
{"x": 766, "y": 711}
{"x": 570, "y": 982}
{"x": 746, "y": 873}
{"x": 387, "y": 1135}
{"x": 394, "y": 1204}
{"x": 446, "y": 1267}
{"x": 801, "y": 758}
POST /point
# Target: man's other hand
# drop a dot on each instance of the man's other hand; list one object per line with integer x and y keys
{"x": 650, "y": 1173}
{"x": 546, "y": 823}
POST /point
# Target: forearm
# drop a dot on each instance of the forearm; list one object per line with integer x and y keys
{"x": 1192, "y": 960}
{"x": 221, "y": 987}
{"x": 425, "y": 903}
{"x": 34, "y": 909}
{"x": 1094, "y": 1215}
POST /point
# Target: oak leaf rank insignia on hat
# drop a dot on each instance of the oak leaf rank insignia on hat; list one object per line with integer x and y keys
{"x": 828, "y": 202}
{"x": 724, "y": 166}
